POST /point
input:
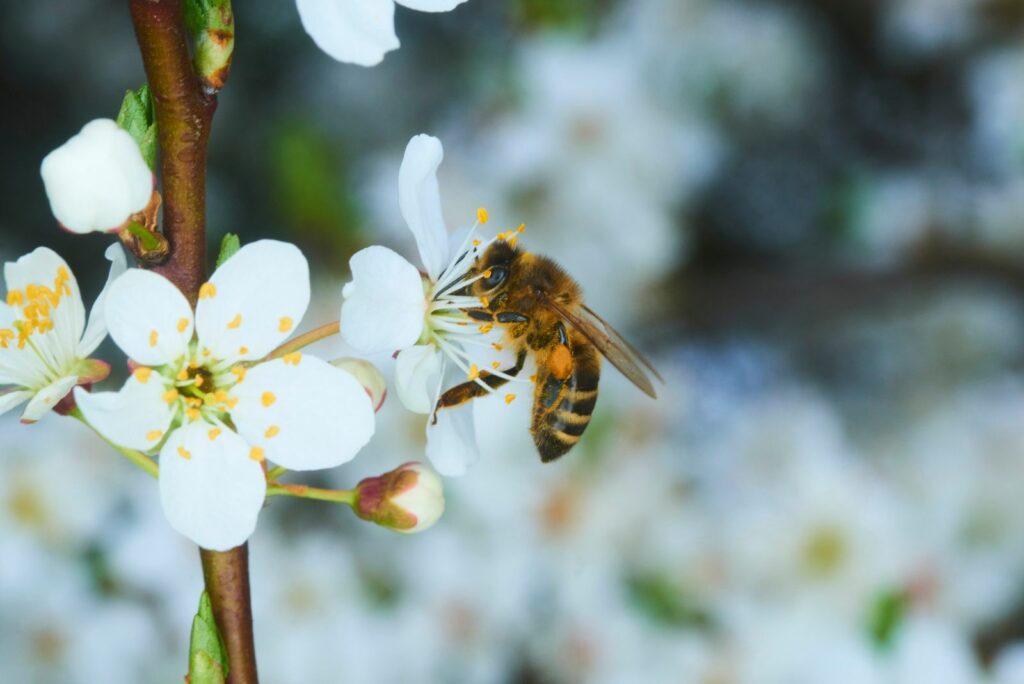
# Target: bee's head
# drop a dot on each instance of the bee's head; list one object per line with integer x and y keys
{"x": 494, "y": 268}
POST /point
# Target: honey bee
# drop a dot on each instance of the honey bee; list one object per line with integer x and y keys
{"x": 542, "y": 312}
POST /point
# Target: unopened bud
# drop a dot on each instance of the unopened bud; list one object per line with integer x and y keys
{"x": 408, "y": 499}
{"x": 368, "y": 376}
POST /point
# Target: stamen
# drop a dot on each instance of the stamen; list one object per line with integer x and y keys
{"x": 207, "y": 291}
{"x": 495, "y": 365}
{"x": 256, "y": 454}
{"x": 285, "y": 324}
{"x": 182, "y": 374}
{"x": 474, "y": 371}
{"x": 170, "y": 395}
{"x": 214, "y": 433}
{"x": 142, "y": 374}
{"x": 509, "y": 398}
{"x": 242, "y": 351}
{"x": 182, "y": 324}
{"x": 154, "y": 435}
{"x": 184, "y": 453}
{"x": 294, "y": 358}
{"x": 239, "y": 373}
{"x": 235, "y": 322}
{"x": 272, "y": 431}
{"x": 481, "y": 215}
{"x": 153, "y": 337}
{"x": 268, "y": 398}
{"x": 192, "y": 413}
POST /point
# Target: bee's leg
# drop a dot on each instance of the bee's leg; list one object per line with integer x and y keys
{"x": 471, "y": 389}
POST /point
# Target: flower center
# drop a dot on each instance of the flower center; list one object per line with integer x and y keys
{"x": 37, "y": 303}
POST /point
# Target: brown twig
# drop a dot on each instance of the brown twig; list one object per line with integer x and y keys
{"x": 184, "y": 112}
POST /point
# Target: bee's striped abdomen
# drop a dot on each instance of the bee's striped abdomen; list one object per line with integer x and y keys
{"x": 562, "y": 407}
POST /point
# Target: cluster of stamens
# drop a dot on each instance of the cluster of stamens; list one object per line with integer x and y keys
{"x": 37, "y": 303}
{"x": 449, "y": 326}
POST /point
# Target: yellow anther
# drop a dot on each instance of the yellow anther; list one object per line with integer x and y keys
{"x": 192, "y": 413}
{"x": 170, "y": 395}
{"x": 292, "y": 358}
{"x": 513, "y": 240}
{"x": 239, "y": 373}
{"x": 487, "y": 273}
{"x": 486, "y": 328}
{"x": 481, "y": 215}
{"x": 15, "y": 298}
{"x": 256, "y": 454}
{"x": 268, "y": 398}
{"x": 497, "y": 347}
{"x": 184, "y": 453}
{"x": 206, "y": 352}
{"x": 182, "y": 374}
{"x": 154, "y": 435}
{"x": 213, "y": 434}
{"x": 5, "y": 337}
{"x": 142, "y": 374}
{"x": 232, "y": 402}
{"x": 474, "y": 372}
{"x": 193, "y": 364}
{"x": 242, "y": 351}
{"x": 235, "y": 322}
{"x": 193, "y": 401}
{"x": 521, "y": 228}
{"x": 533, "y": 378}
{"x": 271, "y": 431}
{"x": 285, "y": 324}
{"x": 476, "y": 243}
{"x": 207, "y": 291}
{"x": 509, "y": 398}
{"x": 153, "y": 337}
{"x": 485, "y": 301}
{"x": 199, "y": 381}
{"x": 182, "y": 324}
{"x": 495, "y": 365}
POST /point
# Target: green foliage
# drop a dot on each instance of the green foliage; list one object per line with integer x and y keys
{"x": 886, "y": 617}
{"x": 228, "y": 246}
{"x": 310, "y": 180}
{"x": 138, "y": 117}
{"x": 196, "y": 13}
{"x": 560, "y": 14}
{"x": 207, "y": 657}
{"x": 656, "y": 597}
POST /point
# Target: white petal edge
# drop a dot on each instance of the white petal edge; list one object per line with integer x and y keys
{"x": 451, "y": 442}
{"x": 305, "y": 414}
{"x": 148, "y": 317}
{"x": 48, "y": 397}
{"x": 96, "y": 329}
{"x": 431, "y": 5}
{"x": 352, "y": 31}
{"x": 214, "y": 495}
{"x": 256, "y": 300}
{"x": 417, "y": 374}
{"x": 135, "y": 417}
{"x": 10, "y": 400}
{"x": 384, "y": 306}
{"x": 419, "y": 198}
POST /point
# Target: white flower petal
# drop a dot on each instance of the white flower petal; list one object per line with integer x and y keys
{"x": 417, "y": 374}
{"x": 431, "y": 5}
{"x": 19, "y": 365}
{"x": 451, "y": 442}
{"x": 96, "y": 179}
{"x": 384, "y": 306}
{"x": 424, "y": 500}
{"x": 211, "y": 490}
{"x": 353, "y": 31}
{"x": 135, "y": 417}
{"x": 304, "y": 413}
{"x": 46, "y": 398}
{"x": 40, "y": 268}
{"x": 255, "y": 301}
{"x": 420, "y": 201}
{"x": 96, "y": 330}
{"x": 11, "y": 399}
{"x": 148, "y": 317}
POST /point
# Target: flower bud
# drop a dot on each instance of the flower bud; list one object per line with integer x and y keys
{"x": 407, "y": 499}
{"x": 368, "y": 376}
{"x": 97, "y": 179}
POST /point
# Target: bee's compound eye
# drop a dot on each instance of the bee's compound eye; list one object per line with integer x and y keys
{"x": 496, "y": 276}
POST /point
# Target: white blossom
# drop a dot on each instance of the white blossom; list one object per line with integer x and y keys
{"x": 97, "y": 179}
{"x": 211, "y": 406}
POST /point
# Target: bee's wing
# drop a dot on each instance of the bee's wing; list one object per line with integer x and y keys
{"x": 610, "y": 343}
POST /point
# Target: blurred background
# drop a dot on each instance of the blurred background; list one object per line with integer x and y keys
{"x": 809, "y": 212}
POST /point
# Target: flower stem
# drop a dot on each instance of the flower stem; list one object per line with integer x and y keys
{"x": 343, "y": 496}
{"x": 306, "y": 339}
{"x": 137, "y": 457}
{"x": 184, "y": 113}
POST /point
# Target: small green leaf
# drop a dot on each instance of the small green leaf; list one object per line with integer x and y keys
{"x": 195, "y": 16}
{"x": 138, "y": 117}
{"x": 228, "y": 246}
{"x": 207, "y": 657}
{"x": 886, "y": 616}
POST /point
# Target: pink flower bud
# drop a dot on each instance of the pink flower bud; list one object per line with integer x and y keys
{"x": 407, "y": 499}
